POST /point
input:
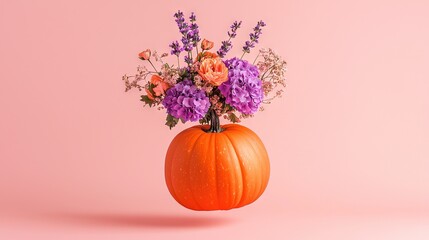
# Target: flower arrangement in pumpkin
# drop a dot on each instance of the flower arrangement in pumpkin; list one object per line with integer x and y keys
{"x": 212, "y": 167}
{"x": 209, "y": 86}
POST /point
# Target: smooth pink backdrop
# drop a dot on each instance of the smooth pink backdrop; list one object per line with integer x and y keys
{"x": 349, "y": 141}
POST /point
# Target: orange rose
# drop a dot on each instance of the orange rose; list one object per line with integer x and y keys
{"x": 213, "y": 71}
{"x": 160, "y": 85}
{"x": 155, "y": 79}
{"x": 206, "y": 44}
{"x": 145, "y": 55}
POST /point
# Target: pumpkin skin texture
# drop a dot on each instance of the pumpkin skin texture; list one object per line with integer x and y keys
{"x": 216, "y": 171}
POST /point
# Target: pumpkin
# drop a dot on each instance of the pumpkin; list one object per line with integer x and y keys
{"x": 206, "y": 170}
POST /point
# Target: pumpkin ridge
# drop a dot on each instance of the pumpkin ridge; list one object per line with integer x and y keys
{"x": 170, "y": 173}
{"x": 268, "y": 168}
{"x": 241, "y": 170}
{"x": 213, "y": 138}
{"x": 192, "y": 150}
{"x": 204, "y": 152}
{"x": 242, "y": 202}
{"x": 246, "y": 132}
{"x": 262, "y": 147}
{"x": 187, "y": 133}
{"x": 233, "y": 174}
{"x": 215, "y": 167}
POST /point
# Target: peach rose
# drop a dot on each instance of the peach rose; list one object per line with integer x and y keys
{"x": 160, "y": 85}
{"x": 213, "y": 71}
{"x": 145, "y": 55}
{"x": 206, "y": 44}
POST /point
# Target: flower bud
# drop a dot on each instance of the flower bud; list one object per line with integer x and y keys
{"x": 149, "y": 94}
{"x": 206, "y": 44}
{"x": 145, "y": 55}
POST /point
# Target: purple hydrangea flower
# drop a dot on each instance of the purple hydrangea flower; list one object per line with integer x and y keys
{"x": 186, "y": 101}
{"x": 243, "y": 90}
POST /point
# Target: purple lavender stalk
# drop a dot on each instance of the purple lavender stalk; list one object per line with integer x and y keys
{"x": 175, "y": 48}
{"x": 190, "y": 33}
{"x": 254, "y": 37}
{"x": 227, "y": 45}
{"x": 188, "y": 60}
{"x": 184, "y": 29}
{"x": 180, "y": 20}
{"x": 194, "y": 31}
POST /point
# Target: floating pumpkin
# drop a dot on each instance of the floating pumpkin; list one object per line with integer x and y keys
{"x": 216, "y": 168}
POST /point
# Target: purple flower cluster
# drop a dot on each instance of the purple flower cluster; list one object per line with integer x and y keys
{"x": 186, "y": 101}
{"x": 176, "y": 49}
{"x": 243, "y": 90}
{"x": 180, "y": 20}
{"x": 190, "y": 32}
{"x": 227, "y": 45}
{"x": 188, "y": 60}
{"x": 208, "y": 86}
{"x": 184, "y": 29}
{"x": 194, "y": 32}
{"x": 254, "y": 37}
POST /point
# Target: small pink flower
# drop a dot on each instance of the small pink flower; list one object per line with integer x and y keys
{"x": 145, "y": 55}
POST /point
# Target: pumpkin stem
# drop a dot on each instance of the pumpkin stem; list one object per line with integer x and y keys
{"x": 214, "y": 123}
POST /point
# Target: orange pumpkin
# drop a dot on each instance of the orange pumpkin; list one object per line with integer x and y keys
{"x": 216, "y": 170}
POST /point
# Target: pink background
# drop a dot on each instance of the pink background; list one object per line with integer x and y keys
{"x": 349, "y": 142}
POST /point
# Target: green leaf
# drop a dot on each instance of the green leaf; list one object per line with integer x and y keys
{"x": 205, "y": 119}
{"x": 171, "y": 121}
{"x": 233, "y": 118}
{"x": 147, "y": 100}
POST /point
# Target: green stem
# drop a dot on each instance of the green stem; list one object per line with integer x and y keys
{"x": 189, "y": 56}
{"x": 256, "y": 58}
{"x": 152, "y": 65}
{"x": 270, "y": 68}
{"x": 242, "y": 55}
{"x": 214, "y": 123}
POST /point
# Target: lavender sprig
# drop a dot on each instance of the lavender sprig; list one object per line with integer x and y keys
{"x": 184, "y": 30}
{"x": 194, "y": 31}
{"x": 180, "y": 20}
{"x": 254, "y": 37}
{"x": 188, "y": 60}
{"x": 175, "y": 48}
{"x": 190, "y": 33}
{"x": 227, "y": 45}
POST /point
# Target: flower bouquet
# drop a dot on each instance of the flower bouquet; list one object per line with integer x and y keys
{"x": 212, "y": 166}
